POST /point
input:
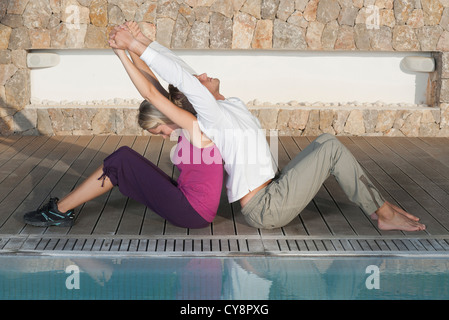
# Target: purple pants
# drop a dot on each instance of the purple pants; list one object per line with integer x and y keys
{"x": 141, "y": 180}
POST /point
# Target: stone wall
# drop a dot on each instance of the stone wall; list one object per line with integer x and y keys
{"x": 364, "y": 25}
{"x": 292, "y": 120}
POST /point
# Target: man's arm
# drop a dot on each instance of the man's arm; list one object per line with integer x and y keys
{"x": 142, "y": 66}
{"x": 148, "y": 73}
{"x": 172, "y": 72}
{"x": 148, "y": 91}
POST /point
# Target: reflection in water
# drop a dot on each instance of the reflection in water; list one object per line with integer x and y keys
{"x": 214, "y": 278}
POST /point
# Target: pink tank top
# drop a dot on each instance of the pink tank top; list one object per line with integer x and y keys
{"x": 201, "y": 176}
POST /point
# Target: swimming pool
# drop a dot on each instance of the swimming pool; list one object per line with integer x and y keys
{"x": 222, "y": 278}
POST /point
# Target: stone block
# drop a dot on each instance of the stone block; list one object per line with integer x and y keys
{"x": 355, "y": 124}
{"x": 37, "y": 14}
{"x": 19, "y": 39}
{"x": 269, "y": 9}
{"x": 25, "y": 120}
{"x": 263, "y": 35}
{"x": 5, "y": 33}
{"x": 44, "y": 125}
{"x": 314, "y": 34}
{"x": 405, "y": 39}
{"x": 385, "y": 120}
{"x": 243, "y": 30}
{"x": 412, "y": 124}
{"x": 99, "y": 13}
{"x": 16, "y": 6}
{"x": 226, "y": 8}
{"x": 443, "y": 42}
{"x": 220, "y": 31}
{"x": 199, "y": 36}
{"x": 444, "y": 93}
{"x": 6, "y": 72}
{"x": 445, "y": 65}
{"x": 313, "y": 124}
{"x": 285, "y": 9}
{"x": 327, "y": 11}
{"x": 288, "y": 36}
{"x": 433, "y": 10}
{"x": 17, "y": 89}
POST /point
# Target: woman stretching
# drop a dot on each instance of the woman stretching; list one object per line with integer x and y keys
{"x": 191, "y": 202}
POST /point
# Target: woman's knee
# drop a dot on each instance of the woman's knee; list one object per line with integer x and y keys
{"x": 124, "y": 149}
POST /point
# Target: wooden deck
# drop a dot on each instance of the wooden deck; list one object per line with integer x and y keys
{"x": 411, "y": 172}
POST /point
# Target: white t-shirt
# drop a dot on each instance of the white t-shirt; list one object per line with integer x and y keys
{"x": 228, "y": 123}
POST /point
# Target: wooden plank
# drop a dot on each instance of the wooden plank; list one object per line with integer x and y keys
{"x": 311, "y": 218}
{"x": 296, "y": 226}
{"x": 109, "y": 218}
{"x": 438, "y": 149}
{"x": 152, "y": 223}
{"x": 414, "y": 169}
{"x": 46, "y": 187}
{"x": 12, "y": 179}
{"x": 282, "y": 161}
{"x": 402, "y": 173}
{"x": 167, "y": 166}
{"x": 359, "y": 222}
{"x": 8, "y": 168}
{"x": 16, "y": 148}
{"x": 428, "y": 165}
{"x": 377, "y": 168}
{"x": 8, "y": 141}
{"x": 88, "y": 213}
{"x": 223, "y": 223}
{"x": 75, "y": 174}
{"x": 134, "y": 212}
{"x": 30, "y": 192}
{"x": 331, "y": 200}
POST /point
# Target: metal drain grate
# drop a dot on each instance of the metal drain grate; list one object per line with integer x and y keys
{"x": 224, "y": 245}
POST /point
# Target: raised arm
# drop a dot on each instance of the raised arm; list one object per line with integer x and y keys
{"x": 174, "y": 73}
{"x": 141, "y": 65}
{"x": 148, "y": 91}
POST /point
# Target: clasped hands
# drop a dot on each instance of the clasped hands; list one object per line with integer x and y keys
{"x": 120, "y": 38}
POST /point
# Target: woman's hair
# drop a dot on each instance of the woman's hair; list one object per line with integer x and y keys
{"x": 150, "y": 117}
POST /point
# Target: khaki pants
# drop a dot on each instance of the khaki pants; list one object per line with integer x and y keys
{"x": 286, "y": 196}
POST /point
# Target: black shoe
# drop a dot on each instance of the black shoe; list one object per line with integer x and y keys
{"x": 49, "y": 215}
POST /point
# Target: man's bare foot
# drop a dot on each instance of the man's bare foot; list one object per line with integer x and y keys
{"x": 396, "y": 208}
{"x": 137, "y": 32}
{"x": 391, "y": 219}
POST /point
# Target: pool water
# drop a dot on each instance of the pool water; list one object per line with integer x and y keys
{"x": 223, "y": 278}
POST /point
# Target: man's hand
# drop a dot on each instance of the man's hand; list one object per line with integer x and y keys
{"x": 121, "y": 38}
{"x": 137, "y": 33}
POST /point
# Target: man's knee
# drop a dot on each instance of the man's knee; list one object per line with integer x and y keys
{"x": 326, "y": 137}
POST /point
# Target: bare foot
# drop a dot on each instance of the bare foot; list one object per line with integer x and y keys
{"x": 391, "y": 219}
{"x": 137, "y": 33}
{"x": 396, "y": 208}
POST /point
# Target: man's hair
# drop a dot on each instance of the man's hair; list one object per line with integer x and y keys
{"x": 150, "y": 117}
{"x": 179, "y": 99}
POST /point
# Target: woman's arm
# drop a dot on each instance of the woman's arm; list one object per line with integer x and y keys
{"x": 148, "y": 91}
{"x": 174, "y": 73}
{"x": 148, "y": 73}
